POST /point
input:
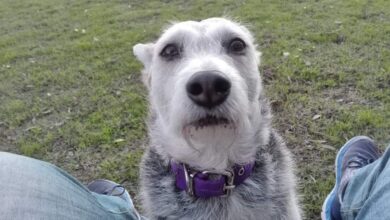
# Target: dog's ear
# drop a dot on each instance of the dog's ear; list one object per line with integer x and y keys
{"x": 144, "y": 53}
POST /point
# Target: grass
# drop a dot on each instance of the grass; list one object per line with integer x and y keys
{"x": 70, "y": 91}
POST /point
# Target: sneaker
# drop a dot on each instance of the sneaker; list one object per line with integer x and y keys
{"x": 107, "y": 187}
{"x": 355, "y": 154}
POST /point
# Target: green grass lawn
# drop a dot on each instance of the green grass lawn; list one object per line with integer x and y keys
{"x": 70, "y": 91}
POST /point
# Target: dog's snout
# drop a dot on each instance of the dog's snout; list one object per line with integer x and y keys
{"x": 208, "y": 89}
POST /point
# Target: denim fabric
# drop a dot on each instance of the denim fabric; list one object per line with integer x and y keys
{"x": 367, "y": 196}
{"x": 33, "y": 189}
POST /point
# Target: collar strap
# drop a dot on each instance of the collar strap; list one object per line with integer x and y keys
{"x": 199, "y": 183}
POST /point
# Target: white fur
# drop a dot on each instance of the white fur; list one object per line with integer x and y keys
{"x": 203, "y": 52}
{"x": 248, "y": 138}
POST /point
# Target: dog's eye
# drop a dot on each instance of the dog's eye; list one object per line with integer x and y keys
{"x": 171, "y": 51}
{"x": 236, "y": 46}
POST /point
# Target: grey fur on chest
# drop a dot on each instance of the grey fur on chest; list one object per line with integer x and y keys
{"x": 264, "y": 195}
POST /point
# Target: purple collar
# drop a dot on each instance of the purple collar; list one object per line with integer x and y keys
{"x": 198, "y": 183}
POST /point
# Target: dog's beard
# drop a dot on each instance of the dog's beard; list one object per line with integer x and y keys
{"x": 210, "y": 132}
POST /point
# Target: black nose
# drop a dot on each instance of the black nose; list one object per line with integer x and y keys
{"x": 208, "y": 89}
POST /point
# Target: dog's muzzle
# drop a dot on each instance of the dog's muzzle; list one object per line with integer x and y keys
{"x": 208, "y": 88}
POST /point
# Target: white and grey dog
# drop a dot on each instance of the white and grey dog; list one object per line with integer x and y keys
{"x": 209, "y": 116}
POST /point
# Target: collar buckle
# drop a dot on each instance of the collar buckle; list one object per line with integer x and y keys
{"x": 229, "y": 183}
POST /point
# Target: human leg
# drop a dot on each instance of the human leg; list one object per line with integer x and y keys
{"x": 33, "y": 189}
{"x": 358, "y": 152}
{"x": 367, "y": 195}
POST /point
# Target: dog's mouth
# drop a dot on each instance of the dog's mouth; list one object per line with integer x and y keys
{"x": 210, "y": 131}
{"x": 210, "y": 120}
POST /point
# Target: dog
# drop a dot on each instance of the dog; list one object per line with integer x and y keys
{"x": 212, "y": 153}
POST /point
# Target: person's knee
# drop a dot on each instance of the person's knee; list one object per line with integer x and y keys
{"x": 6, "y": 157}
{"x": 10, "y": 163}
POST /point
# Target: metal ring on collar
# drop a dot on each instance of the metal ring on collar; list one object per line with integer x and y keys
{"x": 189, "y": 181}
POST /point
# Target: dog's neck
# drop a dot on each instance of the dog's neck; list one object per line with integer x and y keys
{"x": 205, "y": 184}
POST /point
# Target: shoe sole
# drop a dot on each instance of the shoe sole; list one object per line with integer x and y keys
{"x": 325, "y": 213}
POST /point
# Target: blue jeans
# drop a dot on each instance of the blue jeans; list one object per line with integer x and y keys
{"x": 367, "y": 195}
{"x": 33, "y": 189}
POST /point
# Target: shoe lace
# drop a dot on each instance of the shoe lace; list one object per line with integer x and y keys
{"x": 117, "y": 190}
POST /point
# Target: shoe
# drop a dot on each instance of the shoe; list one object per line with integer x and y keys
{"x": 355, "y": 154}
{"x": 107, "y": 187}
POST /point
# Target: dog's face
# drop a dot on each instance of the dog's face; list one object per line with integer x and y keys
{"x": 204, "y": 86}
